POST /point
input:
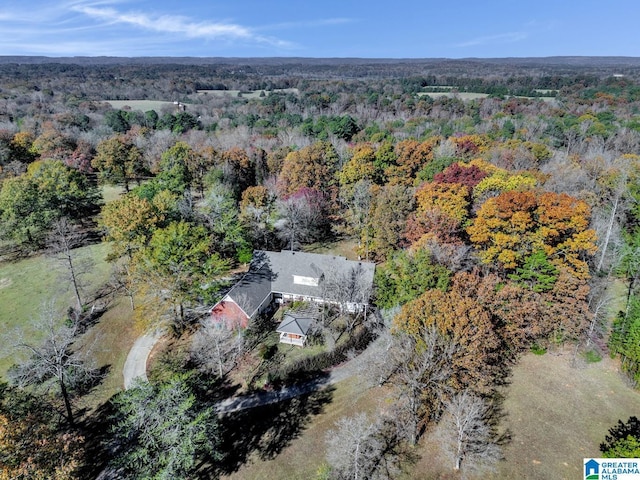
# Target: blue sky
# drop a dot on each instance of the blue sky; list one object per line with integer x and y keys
{"x": 319, "y": 28}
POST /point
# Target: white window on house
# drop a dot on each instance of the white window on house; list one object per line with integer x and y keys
{"x": 308, "y": 281}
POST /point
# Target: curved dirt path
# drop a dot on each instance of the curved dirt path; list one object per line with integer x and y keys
{"x": 136, "y": 364}
{"x": 336, "y": 374}
{"x": 136, "y": 367}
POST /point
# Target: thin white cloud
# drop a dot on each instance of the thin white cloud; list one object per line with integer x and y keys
{"x": 543, "y": 25}
{"x": 323, "y": 22}
{"x": 111, "y": 27}
{"x": 510, "y": 37}
{"x": 180, "y": 25}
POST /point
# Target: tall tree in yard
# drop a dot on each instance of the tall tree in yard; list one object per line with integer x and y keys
{"x": 162, "y": 431}
{"x": 441, "y": 211}
{"x": 63, "y": 241}
{"x": 174, "y": 174}
{"x": 258, "y": 214}
{"x": 32, "y": 443}
{"x": 177, "y": 265}
{"x": 53, "y": 144}
{"x": 215, "y": 349}
{"x": 422, "y": 379}
{"x": 310, "y": 167}
{"x": 48, "y": 191}
{"x": 357, "y": 198}
{"x": 303, "y": 217}
{"x": 458, "y": 316}
{"x": 221, "y": 214}
{"x": 628, "y": 263}
{"x": 510, "y": 227}
{"x": 390, "y": 207}
{"x": 411, "y": 156}
{"x": 623, "y": 440}
{"x": 353, "y": 448}
{"x": 469, "y": 432}
{"x": 468, "y": 175}
{"x": 617, "y": 191}
{"x": 54, "y": 363}
{"x": 406, "y": 275}
{"x": 119, "y": 162}
{"x": 625, "y": 339}
{"x": 129, "y": 223}
{"x": 361, "y": 166}
{"x": 238, "y": 169}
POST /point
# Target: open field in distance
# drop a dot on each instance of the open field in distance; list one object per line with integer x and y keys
{"x": 142, "y": 105}
{"x": 252, "y": 94}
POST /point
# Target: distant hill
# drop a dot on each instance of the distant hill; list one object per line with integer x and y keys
{"x": 564, "y": 61}
{"x": 328, "y": 68}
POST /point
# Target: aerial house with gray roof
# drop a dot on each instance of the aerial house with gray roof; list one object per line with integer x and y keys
{"x": 291, "y": 276}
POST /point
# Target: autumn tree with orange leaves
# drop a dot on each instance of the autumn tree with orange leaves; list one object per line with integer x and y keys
{"x": 441, "y": 211}
{"x": 310, "y": 167}
{"x": 411, "y": 157}
{"x": 459, "y": 317}
{"x": 32, "y": 443}
{"x": 514, "y": 225}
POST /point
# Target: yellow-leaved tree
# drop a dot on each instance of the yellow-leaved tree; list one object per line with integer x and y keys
{"x": 514, "y": 225}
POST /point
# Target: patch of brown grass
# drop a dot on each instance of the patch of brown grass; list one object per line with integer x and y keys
{"x": 110, "y": 341}
{"x": 559, "y": 414}
{"x": 345, "y": 247}
{"x": 301, "y": 459}
{"x": 556, "y": 414}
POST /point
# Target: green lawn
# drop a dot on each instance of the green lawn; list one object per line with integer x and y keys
{"x": 345, "y": 247}
{"x": 470, "y": 95}
{"x": 27, "y": 285}
{"x": 461, "y": 95}
{"x": 556, "y": 415}
{"x": 559, "y": 414}
{"x": 111, "y": 192}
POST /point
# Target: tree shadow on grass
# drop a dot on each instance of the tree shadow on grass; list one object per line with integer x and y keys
{"x": 264, "y": 431}
{"x": 91, "y": 380}
{"x": 97, "y": 435}
{"x": 496, "y": 417}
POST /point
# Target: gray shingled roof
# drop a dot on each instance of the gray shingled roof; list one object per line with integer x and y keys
{"x": 252, "y": 289}
{"x": 274, "y": 272}
{"x": 296, "y": 324}
{"x": 286, "y": 264}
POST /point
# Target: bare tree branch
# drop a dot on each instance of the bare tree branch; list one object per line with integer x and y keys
{"x": 470, "y": 436}
{"x": 54, "y": 362}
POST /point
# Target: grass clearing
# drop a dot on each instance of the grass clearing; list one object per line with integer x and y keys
{"x": 30, "y": 283}
{"x": 345, "y": 248}
{"x": 246, "y": 94}
{"x": 300, "y": 459}
{"x": 111, "y": 192}
{"x": 110, "y": 340}
{"x": 559, "y": 414}
{"x": 142, "y": 105}
{"x": 556, "y": 415}
{"x": 544, "y": 99}
{"x": 460, "y": 95}
{"x": 473, "y": 95}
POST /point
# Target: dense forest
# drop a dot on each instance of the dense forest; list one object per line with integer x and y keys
{"x": 498, "y": 198}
